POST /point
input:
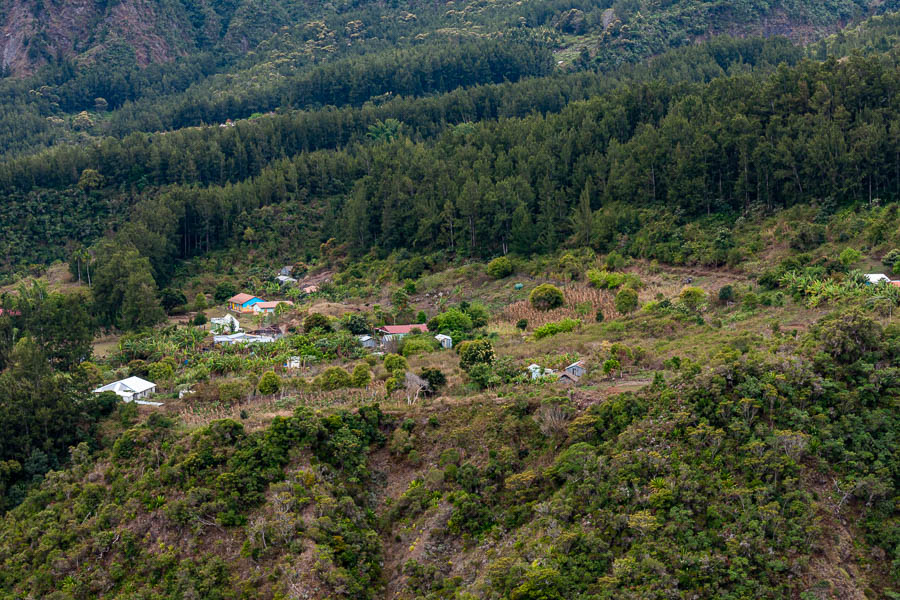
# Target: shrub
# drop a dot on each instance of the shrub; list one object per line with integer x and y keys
{"x": 550, "y": 329}
{"x": 626, "y": 301}
{"x": 692, "y": 297}
{"x": 476, "y": 352}
{"x": 417, "y": 344}
{"x": 849, "y": 256}
{"x": 614, "y": 261}
{"x": 522, "y": 324}
{"x": 395, "y": 362}
{"x": 500, "y": 267}
{"x": 316, "y": 321}
{"x": 421, "y": 317}
{"x": 435, "y": 378}
{"x": 891, "y": 259}
{"x": 726, "y": 294}
{"x": 599, "y": 316}
{"x": 199, "y": 319}
{"x": 478, "y": 313}
{"x": 269, "y": 383}
{"x": 171, "y": 298}
{"x": 360, "y": 377}
{"x": 334, "y": 378}
{"x": 546, "y": 297}
{"x": 451, "y": 320}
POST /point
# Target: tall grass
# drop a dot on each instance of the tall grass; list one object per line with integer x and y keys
{"x": 578, "y": 298}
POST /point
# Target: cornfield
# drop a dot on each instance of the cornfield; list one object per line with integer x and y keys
{"x": 582, "y": 302}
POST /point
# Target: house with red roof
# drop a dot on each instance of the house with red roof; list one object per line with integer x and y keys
{"x": 269, "y": 307}
{"x": 395, "y": 332}
{"x": 243, "y": 303}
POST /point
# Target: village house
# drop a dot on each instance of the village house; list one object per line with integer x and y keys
{"x": 874, "y": 278}
{"x": 243, "y": 303}
{"x": 243, "y": 338}
{"x": 577, "y": 369}
{"x": 131, "y": 389}
{"x": 536, "y": 371}
{"x": 566, "y": 378}
{"x": 285, "y": 280}
{"x": 396, "y": 332}
{"x": 445, "y": 340}
{"x": 269, "y": 307}
{"x": 226, "y": 324}
{"x": 367, "y": 341}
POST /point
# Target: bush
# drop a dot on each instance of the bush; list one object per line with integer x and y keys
{"x": 199, "y": 319}
{"x": 692, "y": 297}
{"x": 417, "y": 344}
{"x": 435, "y": 378}
{"x": 522, "y": 324}
{"x": 171, "y": 298}
{"x": 599, "y": 316}
{"x": 500, "y": 267}
{"x": 546, "y": 297}
{"x": 849, "y": 257}
{"x": 316, "y": 321}
{"x": 726, "y": 294}
{"x": 891, "y": 259}
{"x": 626, "y": 301}
{"x": 482, "y": 375}
{"x": 395, "y": 362}
{"x": 334, "y": 378}
{"x": 550, "y": 329}
{"x": 476, "y": 352}
{"x": 269, "y": 383}
{"x": 478, "y": 313}
{"x": 614, "y": 261}
{"x": 451, "y": 320}
{"x": 361, "y": 376}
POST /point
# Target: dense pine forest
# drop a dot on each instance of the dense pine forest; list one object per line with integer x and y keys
{"x": 442, "y": 301}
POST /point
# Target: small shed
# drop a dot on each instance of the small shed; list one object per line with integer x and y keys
{"x": 286, "y": 270}
{"x": 367, "y": 341}
{"x": 285, "y": 280}
{"x": 293, "y": 362}
{"x": 445, "y": 340}
{"x": 577, "y": 369}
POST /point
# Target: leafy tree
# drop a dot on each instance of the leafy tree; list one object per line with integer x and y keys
{"x": 546, "y": 297}
{"x": 726, "y": 294}
{"x": 626, "y": 301}
{"x": 849, "y": 256}
{"x": 522, "y": 324}
{"x": 171, "y": 298}
{"x": 394, "y": 363}
{"x": 200, "y": 301}
{"x": 316, "y": 321}
{"x": 435, "y": 378}
{"x": 356, "y": 324}
{"x": 224, "y": 291}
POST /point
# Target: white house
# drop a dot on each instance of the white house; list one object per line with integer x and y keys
{"x": 243, "y": 338}
{"x": 130, "y": 389}
{"x": 576, "y": 369}
{"x": 445, "y": 340}
{"x": 874, "y": 278}
{"x": 294, "y": 362}
{"x": 226, "y": 324}
{"x": 537, "y": 371}
{"x": 367, "y": 341}
{"x": 285, "y": 280}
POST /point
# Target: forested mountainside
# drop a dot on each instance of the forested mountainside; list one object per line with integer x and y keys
{"x": 445, "y": 301}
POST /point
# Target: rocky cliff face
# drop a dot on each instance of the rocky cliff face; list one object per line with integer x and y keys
{"x": 33, "y": 32}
